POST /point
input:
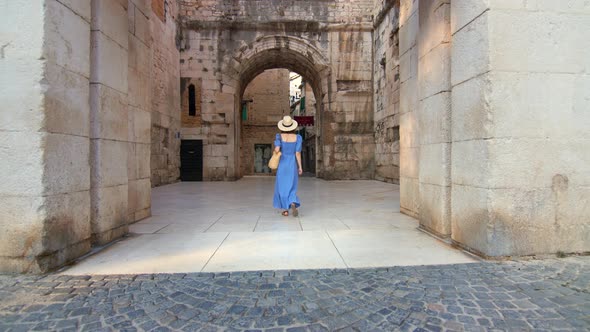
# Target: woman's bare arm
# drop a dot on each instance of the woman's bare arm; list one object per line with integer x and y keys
{"x": 298, "y": 157}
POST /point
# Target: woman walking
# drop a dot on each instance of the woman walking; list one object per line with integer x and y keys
{"x": 289, "y": 144}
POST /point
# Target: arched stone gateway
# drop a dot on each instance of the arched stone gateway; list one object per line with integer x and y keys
{"x": 437, "y": 96}
{"x": 334, "y": 59}
{"x": 295, "y": 54}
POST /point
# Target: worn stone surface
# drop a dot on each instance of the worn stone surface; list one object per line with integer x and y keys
{"x": 270, "y": 94}
{"x": 386, "y": 92}
{"x": 307, "y": 37}
{"x": 44, "y": 144}
{"x": 509, "y": 195}
{"x": 165, "y": 97}
{"x": 526, "y": 295}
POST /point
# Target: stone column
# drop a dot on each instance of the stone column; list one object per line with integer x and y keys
{"x": 44, "y": 144}
{"x": 138, "y": 111}
{"x": 109, "y": 119}
{"x": 434, "y": 116}
{"x": 409, "y": 139}
{"x": 521, "y": 95}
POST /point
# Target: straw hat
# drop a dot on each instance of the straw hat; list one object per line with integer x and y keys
{"x": 287, "y": 124}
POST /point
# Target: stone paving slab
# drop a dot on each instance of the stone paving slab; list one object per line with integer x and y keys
{"x": 543, "y": 295}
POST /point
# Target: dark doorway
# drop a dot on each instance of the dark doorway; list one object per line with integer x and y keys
{"x": 191, "y": 160}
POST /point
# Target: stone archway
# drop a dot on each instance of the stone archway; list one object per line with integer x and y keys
{"x": 272, "y": 52}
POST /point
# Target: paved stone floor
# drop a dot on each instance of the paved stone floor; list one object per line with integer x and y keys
{"x": 546, "y": 295}
{"x": 231, "y": 226}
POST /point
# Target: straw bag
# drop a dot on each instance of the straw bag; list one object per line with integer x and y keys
{"x": 273, "y": 163}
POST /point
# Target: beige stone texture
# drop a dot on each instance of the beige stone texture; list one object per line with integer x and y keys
{"x": 66, "y": 38}
{"x": 470, "y": 53}
{"x": 110, "y": 111}
{"x": 109, "y": 62}
{"x": 435, "y": 209}
{"x": 434, "y": 118}
{"x": 110, "y": 213}
{"x": 111, "y": 20}
{"x": 435, "y": 164}
{"x": 111, "y": 163}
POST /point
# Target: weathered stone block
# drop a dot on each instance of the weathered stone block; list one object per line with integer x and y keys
{"x": 435, "y": 208}
{"x": 138, "y": 90}
{"x": 131, "y": 161}
{"x": 512, "y": 161}
{"x": 409, "y": 130}
{"x": 109, "y": 213}
{"x": 66, "y": 101}
{"x": 470, "y": 163}
{"x": 66, "y": 164}
{"x": 110, "y": 17}
{"x": 407, "y": 8}
{"x": 143, "y": 194}
{"x": 408, "y": 34}
{"x": 215, "y": 162}
{"x": 142, "y": 26}
{"x": 81, "y": 8}
{"x": 470, "y": 52}
{"x": 66, "y": 38}
{"x": 109, "y": 62}
{"x": 110, "y": 168}
{"x": 434, "y": 72}
{"x": 408, "y": 66}
{"x": 463, "y": 12}
{"x": 109, "y": 118}
{"x": 409, "y": 162}
{"x": 41, "y": 233}
{"x": 21, "y": 169}
{"x": 435, "y": 164}
{"x": 142, "y": 159}
{"x": 562, "y": 37}
{"x": 409, "y": 196}
{"x": 470, "y": 217}
{"x": 471, "y": 113}
{"x": 141, "y": 126}
{"x": 409, "y": 95}
{"x": 434, "y": 119}
{"x": 524, "y": 105}
{"x": 434, "y": 21}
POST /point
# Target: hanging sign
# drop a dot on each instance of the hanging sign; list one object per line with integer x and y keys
{"x": 305, "y": 121}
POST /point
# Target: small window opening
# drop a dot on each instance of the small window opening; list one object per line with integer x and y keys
{"x": 192, "y": 107}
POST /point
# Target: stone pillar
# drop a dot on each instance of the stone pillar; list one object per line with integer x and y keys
{"x": 109, "y": 119}
{"x": 434, "y": 116}
{"x": 520, "y": 98}
{"x": 138, "y": 111}
{"x": 44, "y": 144}
{"x": 409, "y": 139}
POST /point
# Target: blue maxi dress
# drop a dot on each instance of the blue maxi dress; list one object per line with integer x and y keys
{"x": 287, "y": 174}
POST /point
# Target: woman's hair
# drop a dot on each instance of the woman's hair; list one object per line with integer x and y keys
{"x": 288, "y": 132}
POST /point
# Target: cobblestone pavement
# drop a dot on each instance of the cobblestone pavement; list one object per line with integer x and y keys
{"x": 531, "y": 295}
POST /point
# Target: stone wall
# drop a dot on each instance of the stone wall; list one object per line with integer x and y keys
{"x": 520, "y": 179}
{"x": 75, "y": 135}
{"x": 409, "y": 139}
{"x": 329, "y": 42}
{"x": 139, "y": 109}
{"x": 165, "y": 99}
{"x": 434, "y": 116}
{"x": 386, "y": 91}
{"x": 109, "y": 127}
{"x": 44, "y": 135}
{"x": 269, "y": 93}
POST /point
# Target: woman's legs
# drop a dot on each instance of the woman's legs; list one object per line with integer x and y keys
{"x": 294, "y": 210}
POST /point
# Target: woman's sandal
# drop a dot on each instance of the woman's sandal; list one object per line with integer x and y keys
{"x": 294, "y": 210}
{"x": 285, "y": 213}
